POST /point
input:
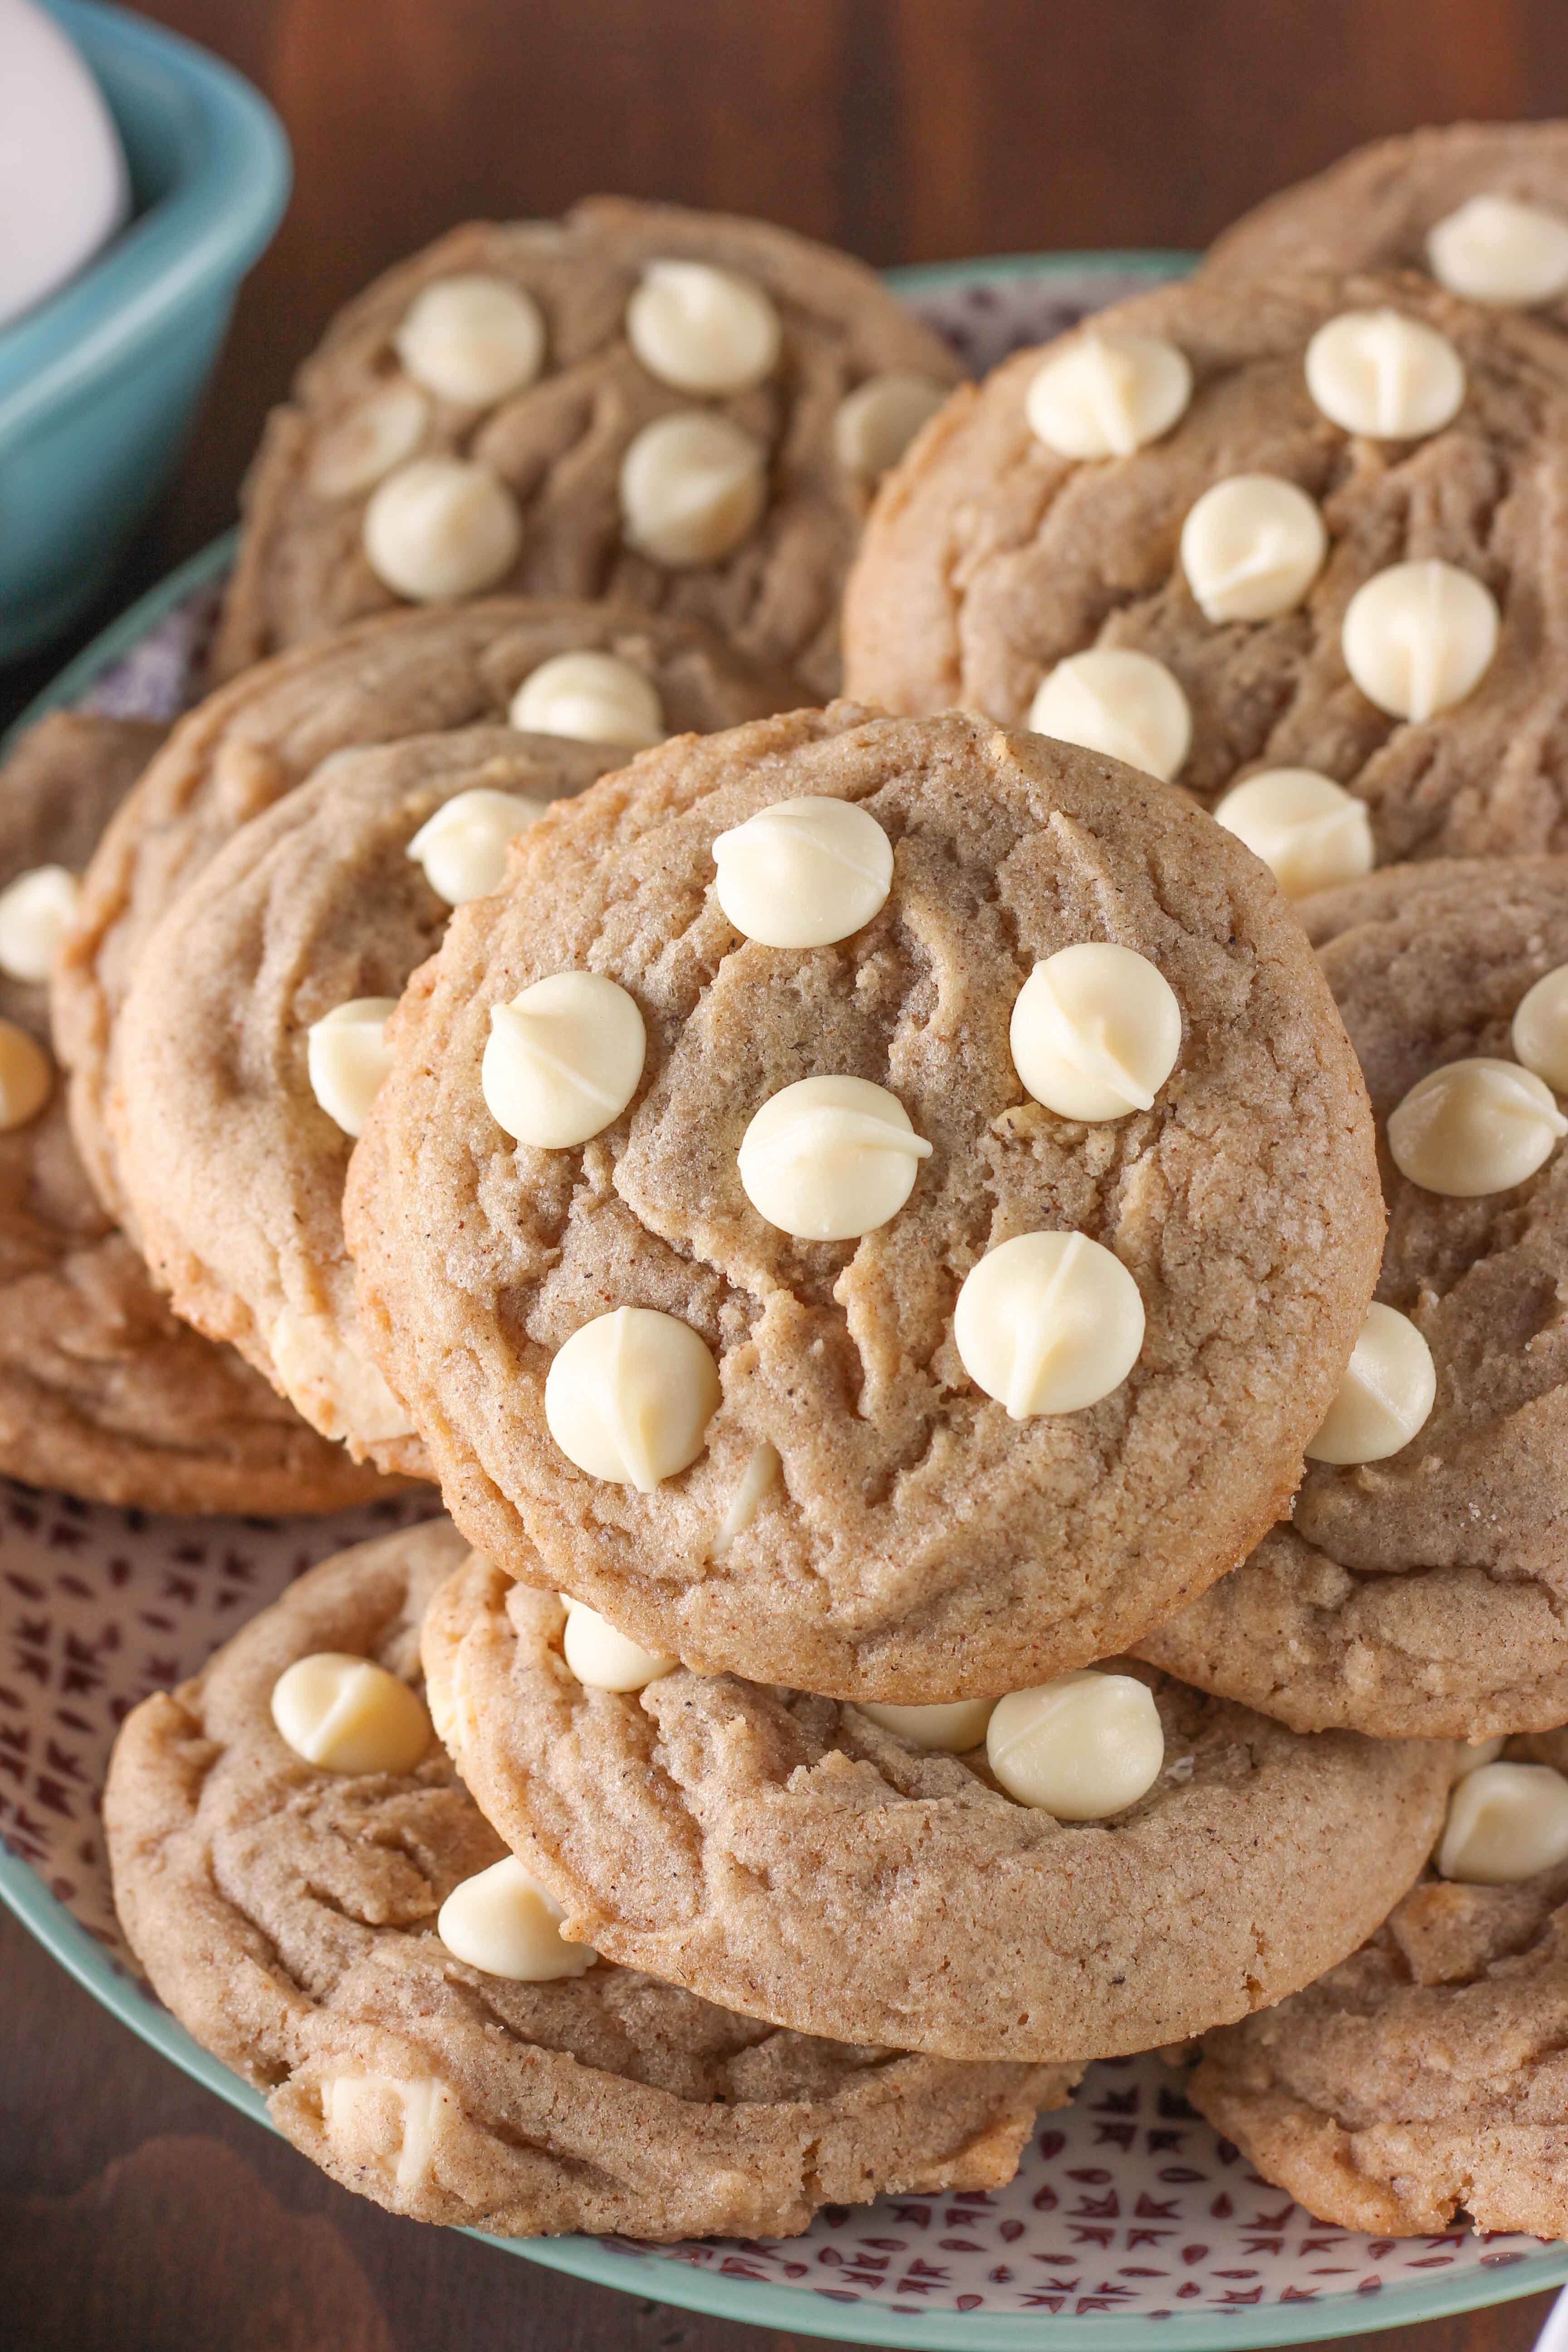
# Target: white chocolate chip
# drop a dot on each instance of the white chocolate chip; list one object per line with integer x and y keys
{"x": 1081, "y": 1748}
{"x": 463, "y": 847}
{"x": 694, "y": 486}
{"x": 952, "y": 1725}
{"x": 1388, "y": 377}
{"x": 1126, "y": 704}
{"x": 345, "y": 1714}
{"x": 763, "y": 1467}
{"x": 473, "y": 340}
{"x": 603, "y": 1658}
{"x": 440, "y": 528}
{"x": 563, "y": 1060}
{"x": 829, "y": 1159}
{"x": 1506, "y": 1822}
{"x": 503, "y": 1922}
{"x": 327, "y": 1375}
{"x": 348, "y": 1058}
{"x": 1095, "y": 1032}
{"x": 387, "y": 2124}
{"x": 361, "y": 450}
{"x": 35, "y": 911}
{"x": 1496, "y": 249}
{"x": 594, "y": 698}
{"x": 1251, "y": 548}
{"x": 1470, "y": 1755}
{"x": 26, "y": 1076}
{"x": 1389, "y": 1388}
{"x": 1474, "y": 1127}
{"x": 1308, "y": 831}
{"x": 703, "y": 330}
{"x": 1539, "y": 1033}
{"x": 1105, "y": 396}
{"x": 801, "y": 873}
{"x": 630, "y": 1396}
{"x": 1048, "y": 1322}
{"x": 1420, "y": 636}
{"x": 876, "y": 423}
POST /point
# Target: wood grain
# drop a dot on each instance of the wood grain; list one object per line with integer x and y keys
{"x": 138, "y": 2214}
{"x": 136, "y": 2210}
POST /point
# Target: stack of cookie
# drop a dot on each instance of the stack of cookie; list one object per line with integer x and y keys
{"x": 992, "y": 1345}
{"x": 1291, "y": 534}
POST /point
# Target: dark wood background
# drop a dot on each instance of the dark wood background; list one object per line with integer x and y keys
{"x": 137, "y": 2214}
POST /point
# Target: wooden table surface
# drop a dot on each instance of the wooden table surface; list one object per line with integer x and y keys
{"x": 135, "y": 2211}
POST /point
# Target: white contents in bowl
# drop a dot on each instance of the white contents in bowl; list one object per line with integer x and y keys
{"x": 64, "y": 186}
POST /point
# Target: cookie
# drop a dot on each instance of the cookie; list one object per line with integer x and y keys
{"x": 104, "y": 1393}
{"x": 1422, "y": 1593}
{"x": 804, "y": 1459}
{"x": 62, "y": 783}
{"x": 679, "y": 411}
{"x": 240, "y": 751}
{"x": 1332, "y": 548}
{"x": 1423, "y": 2076}
{"x": 1481, "y": 207}
{"x": 802, "y": 1858}
{"x": 252, "y": 1033}
{"x": 292, "y": 1916}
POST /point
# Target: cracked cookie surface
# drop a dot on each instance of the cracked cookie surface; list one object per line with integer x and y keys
{"x": 917, "y": 1542}
{"x": 234, "y": 1170}
{"x": 988, "y": 558}
{"x": 1428, "y": 1594}
{"x": 785, "y": 1850}
{"x": 558, "y": 443}
{"x": 287, "y": 1917}
{"x": 406, "y": 673}
{"x": 1373, "y": 209}
{"x": 104, "y": 1393}
{"x": 1425, "y": 2074}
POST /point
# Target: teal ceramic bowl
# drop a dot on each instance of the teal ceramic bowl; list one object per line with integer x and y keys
{"x": 100, "y": 383}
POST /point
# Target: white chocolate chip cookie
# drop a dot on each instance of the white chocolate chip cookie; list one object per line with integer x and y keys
{"x": 1420, "y": 1584}
{"x": 1338, "y": 559}
{"x": 1199, "y": 1862}
{"x": 1481, "y": 209}
{"x": 402, "y": 674}
{"x": 805, "y": 1338}
{"x": 104, "y": 1393}
{"x": 245, "y": 1074}
{"x": 1420, "y": 2079}
{"x": 675, "y": 410}
{"x": 348, "y": 1934}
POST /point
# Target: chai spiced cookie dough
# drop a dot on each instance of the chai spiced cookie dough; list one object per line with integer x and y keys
{"x": 1481, "y": 207}
{"x": 1423, "y": 2076}
{"x": 250, "y": 1044}
{"x": 827, "y": 1865}
{"x": 402, "y": 674}
{"x": 350, "y": 1936}
{"x": 1422, "y": 1591}
{"x": 678, "y": 410}
{"x": 58, "y": 789}
{"x": 750, "y": 1292}
{"x": 1303, "y": 537}
{"x": 104, "y": 1393}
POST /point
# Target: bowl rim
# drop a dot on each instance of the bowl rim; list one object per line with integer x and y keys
{"x": 204, "y": 234}
{"x": 793, "y": 2310}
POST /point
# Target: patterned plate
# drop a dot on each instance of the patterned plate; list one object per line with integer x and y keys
{"x": 1130, "y": 2223}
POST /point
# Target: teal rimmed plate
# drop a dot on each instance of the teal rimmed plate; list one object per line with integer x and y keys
{"x": 1130, "y": 2226}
